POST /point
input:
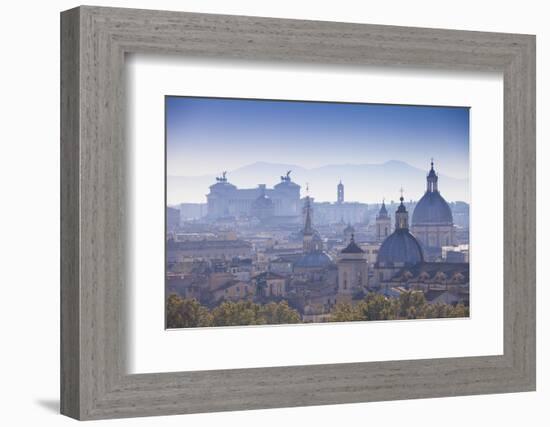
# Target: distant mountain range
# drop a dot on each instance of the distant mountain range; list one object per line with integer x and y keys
{"x": 367, "y": 183}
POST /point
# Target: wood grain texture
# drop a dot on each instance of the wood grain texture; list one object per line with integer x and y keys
{"x": 94, "y": 381}
{"x": 70, "y": 259}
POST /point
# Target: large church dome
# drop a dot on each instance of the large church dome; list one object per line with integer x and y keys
{"x": 432, "y": 209}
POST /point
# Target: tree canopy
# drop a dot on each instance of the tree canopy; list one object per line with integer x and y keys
{"x": 409, "y": 305}
{"x": 189, "y": 313}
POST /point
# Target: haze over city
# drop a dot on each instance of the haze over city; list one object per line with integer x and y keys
{"x": 375, "y": 149}
{"x": 366, "y": 183}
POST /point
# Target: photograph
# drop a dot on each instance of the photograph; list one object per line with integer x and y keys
{"x": 286, "y": 212}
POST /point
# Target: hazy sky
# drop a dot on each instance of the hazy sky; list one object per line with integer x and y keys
{"x": 208, "y": 135}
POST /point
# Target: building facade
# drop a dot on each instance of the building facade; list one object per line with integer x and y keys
{"x": 172, "y": 218}
{"x": 352, "y": 271}
{"x": 333, "y": 213}
{"x": 270, "y": 284}
{"x": 192, "y": 211}
{"x": 177, "y": 252}
{"x": 226, "y": 200}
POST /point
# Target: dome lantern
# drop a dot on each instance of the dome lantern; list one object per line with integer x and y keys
{"x": 431, "y": 179}
{"x": 401, "y": 215}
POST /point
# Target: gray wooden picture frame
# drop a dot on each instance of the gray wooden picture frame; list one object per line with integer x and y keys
{"x": 94, "y": 41}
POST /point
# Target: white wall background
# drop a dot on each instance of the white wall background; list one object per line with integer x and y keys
{"x": 29, "y": 224}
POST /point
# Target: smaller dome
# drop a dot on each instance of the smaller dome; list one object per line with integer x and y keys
{"x": 432, "y": 209}
{"x": 400, "y": 247}
{"x": 317, "y": 259}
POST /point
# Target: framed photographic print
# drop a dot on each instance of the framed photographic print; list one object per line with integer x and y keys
{"x": 240, "y": 252}
{"x": 262, "y": 213}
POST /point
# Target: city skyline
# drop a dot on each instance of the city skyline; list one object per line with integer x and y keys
{"x": 244, "y": 246}
{"x": 238, "y": 132}
{"x": 384, "y": 180}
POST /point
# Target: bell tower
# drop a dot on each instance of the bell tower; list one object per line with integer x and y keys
{"x": 383, "y": 223}
{"x": 312, "y": 241}
{"x": 340, "y": 193}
